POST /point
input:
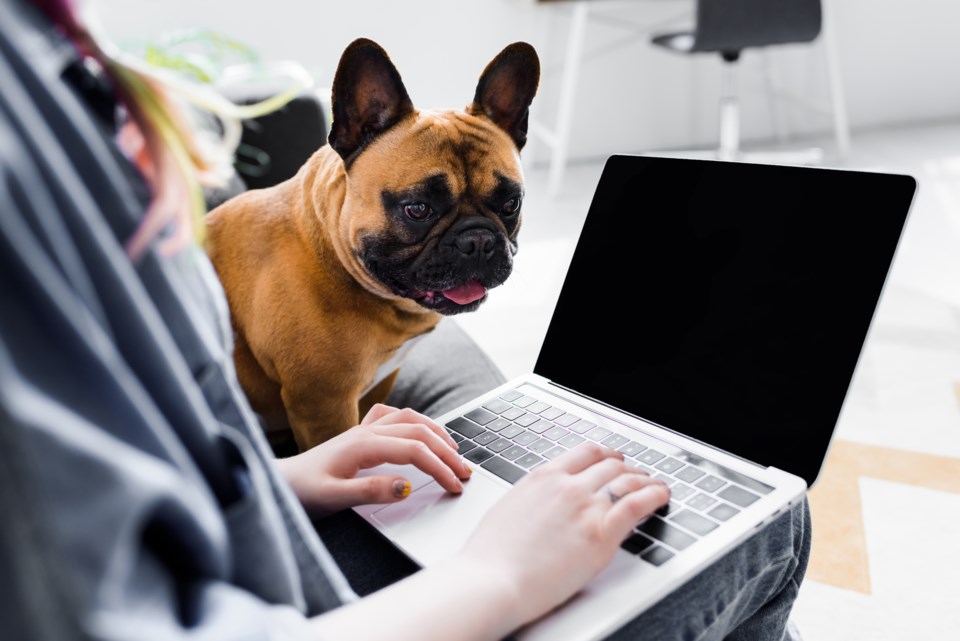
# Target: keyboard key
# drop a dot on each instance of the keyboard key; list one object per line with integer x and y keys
{"x": 538, "y": 407}
{"x": 551, "y": 413}
{"x": 497, "y": 406}
{"x": 504, "y": 469}
{"x": 525, "y": 438}
{"x": 689, "y": 474}
{"x": 485, "y": 438}
{"x": 465, "y": 447}
{"x": 679, "y": 491}
{"x": 657, "y": 555}
{"x": 723, "y": 512}
{"x": 701, "y": 501}
{"x": 498, "y": 424}
{"x": 643, "y": 468}
{"x": 566, "y": 420}
{"x": 661, "y": 531}
{"x": 540, "y": 446}
{"x": 669, "y": 480}
{"x": 614, "y": 441}
{"x": 632, "y": 448}
{"x": 693, "y": 522}
{"x": 710, "y": 483}
{"x": 465, "y": 427}
{"x": 669, "y": 508}
{"x": 540, "y": 426}
{"x": 512, "y": 413}
{"x": 480, "y": 415}
{"x": 526, "y": 419}
{"x": 581, "y": 427}
{"x": 478, "y": 455}
{"x": 650, "y": 457}
{"x": 571, "y": 440}
{"x": 500, "y": 445}
{"x": 524, "y": 401}
{"x": 738, "y": 496}
{"x": 598, "y": 434}
{"x": 528, "y": 460}
{"x": 669, "y": 465}
{"x": 556, "y": 433}
{"x": 511, "y": 395}
{"x": 512, "y": 431}
{"x": 513, "y": 452}
{"x": 555, "y": 452}
{"x": 456, "y": 437}
{"x": 636, "y": 543}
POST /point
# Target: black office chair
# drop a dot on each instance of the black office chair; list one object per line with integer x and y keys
{"x": 727, "y": 27}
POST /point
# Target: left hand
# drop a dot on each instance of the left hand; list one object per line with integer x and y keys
{"x": 325, "y": 477}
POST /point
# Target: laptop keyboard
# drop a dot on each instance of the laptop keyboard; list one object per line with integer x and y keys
{"x": 514, "y": 433}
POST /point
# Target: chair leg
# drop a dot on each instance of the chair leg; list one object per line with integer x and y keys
{"x": 729, "y": 114}
{"x": 568, "y": 87}
{"x": 773, "y": 100}
{"x": 841, "y": 124}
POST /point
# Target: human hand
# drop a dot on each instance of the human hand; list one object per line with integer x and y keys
{"x": 558, "y": 526}
{"x": 325, "y": 477}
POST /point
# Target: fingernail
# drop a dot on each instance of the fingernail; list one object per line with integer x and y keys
{"x": 401, "y": 488}
{"x": 466, "y": 468}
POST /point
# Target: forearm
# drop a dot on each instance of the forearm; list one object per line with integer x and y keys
{"x": 460, "y": 599}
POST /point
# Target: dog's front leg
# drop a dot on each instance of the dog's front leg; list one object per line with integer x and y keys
{"x": 317, "y": 413}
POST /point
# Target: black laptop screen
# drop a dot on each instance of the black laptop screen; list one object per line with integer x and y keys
{"x": 727, "y": 301}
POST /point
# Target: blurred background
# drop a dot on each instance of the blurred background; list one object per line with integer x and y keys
{"x": 874, "y": 86}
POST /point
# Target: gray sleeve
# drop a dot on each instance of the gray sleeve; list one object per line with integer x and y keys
{"x": 121, "y": 517}
{"x": 100, "y": 541}
{"x": 108, "y": 529}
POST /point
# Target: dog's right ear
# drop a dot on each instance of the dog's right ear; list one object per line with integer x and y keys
{"x": 368, "y": 98}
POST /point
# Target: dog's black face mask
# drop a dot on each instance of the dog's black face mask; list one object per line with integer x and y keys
{"x": 444, "y": 251}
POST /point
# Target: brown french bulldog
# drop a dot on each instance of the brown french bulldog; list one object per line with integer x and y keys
{"x": 404, "y": 216}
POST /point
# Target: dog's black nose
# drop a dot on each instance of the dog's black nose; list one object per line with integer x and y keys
{"x": 476, "y": 240}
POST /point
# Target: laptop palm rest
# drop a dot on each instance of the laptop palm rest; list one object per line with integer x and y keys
{"x": 443, "y": 521}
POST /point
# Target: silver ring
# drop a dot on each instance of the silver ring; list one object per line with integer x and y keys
{"x": 613, "y": 496}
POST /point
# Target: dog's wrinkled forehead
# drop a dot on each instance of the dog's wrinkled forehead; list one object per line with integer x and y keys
{"x": 446, "y": 155}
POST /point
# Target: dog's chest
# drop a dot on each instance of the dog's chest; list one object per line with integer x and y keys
{"x": 392, "y": 364}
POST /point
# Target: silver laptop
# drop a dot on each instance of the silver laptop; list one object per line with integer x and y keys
{"x": 708, "y": 328}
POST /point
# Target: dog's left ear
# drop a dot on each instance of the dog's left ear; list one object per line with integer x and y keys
{"x": 506, "y": 89}
{"x": 368, "y": 97}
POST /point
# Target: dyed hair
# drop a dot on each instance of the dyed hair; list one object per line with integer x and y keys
{"x": 174, "y": 159}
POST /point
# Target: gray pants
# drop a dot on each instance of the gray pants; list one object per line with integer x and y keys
{"x": 747, "y": 595}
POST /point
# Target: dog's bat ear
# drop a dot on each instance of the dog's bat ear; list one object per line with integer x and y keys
{"x": 506, "y": 89}
{"x": 368, "y": 98}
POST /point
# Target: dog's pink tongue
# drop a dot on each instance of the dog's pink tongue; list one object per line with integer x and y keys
{"x": 466, "y": 293}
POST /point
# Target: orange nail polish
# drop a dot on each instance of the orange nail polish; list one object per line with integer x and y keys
{"x": 401, "y": 488}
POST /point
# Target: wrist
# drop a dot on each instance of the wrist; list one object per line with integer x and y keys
{"x": 495, "y": 585}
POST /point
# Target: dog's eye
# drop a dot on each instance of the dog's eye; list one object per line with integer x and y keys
{"x": 417, "y": 211}
{"x": 511, "y": 207}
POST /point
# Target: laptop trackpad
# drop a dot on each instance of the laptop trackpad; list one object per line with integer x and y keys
{"x": 431, "y": 524}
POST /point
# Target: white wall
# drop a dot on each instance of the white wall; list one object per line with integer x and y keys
{"x": 899, "y": 58}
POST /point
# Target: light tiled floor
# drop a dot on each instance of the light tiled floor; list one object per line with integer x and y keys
{"x": 885, "y": 550}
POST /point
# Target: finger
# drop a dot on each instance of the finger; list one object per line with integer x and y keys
{"x": 634, "y": 507}
{"x": 582, "y": 457}
{"x": 373, "y": 489}
{"x": 375, "y": 413}
{"x": 407, "y": 415}
{"x": 601, "y": 473}
{"x": 404, "y": 451}
{"x": 424, "y": 434}
{"x": 630, "y": 481}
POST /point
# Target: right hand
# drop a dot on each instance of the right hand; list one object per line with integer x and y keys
{"x": 557, "y": 527}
